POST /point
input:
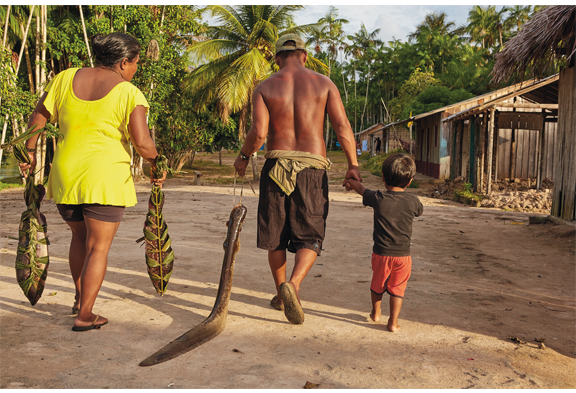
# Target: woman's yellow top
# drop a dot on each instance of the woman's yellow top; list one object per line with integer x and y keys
{"x": 92, "y": 159}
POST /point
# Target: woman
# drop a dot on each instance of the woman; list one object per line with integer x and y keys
{"x": 99, "y": 111}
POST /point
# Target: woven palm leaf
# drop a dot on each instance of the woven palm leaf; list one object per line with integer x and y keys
{"x": 32, "y": 256}
{"x": 159, "y": 253}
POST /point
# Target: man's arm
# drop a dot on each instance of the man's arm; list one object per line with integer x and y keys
{"x": 257, "y": 134}
{"x": 337, "y": 114}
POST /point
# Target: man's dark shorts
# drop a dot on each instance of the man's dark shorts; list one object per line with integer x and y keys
{"x": 297, "y": 221}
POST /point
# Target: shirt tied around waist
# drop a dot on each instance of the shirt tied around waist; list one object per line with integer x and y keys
{"x": 290, "y": 163}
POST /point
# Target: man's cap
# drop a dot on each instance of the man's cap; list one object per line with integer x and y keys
{"x": 289, "y": 37}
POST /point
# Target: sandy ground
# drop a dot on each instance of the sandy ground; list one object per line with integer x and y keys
{"x": 480, "y": 276}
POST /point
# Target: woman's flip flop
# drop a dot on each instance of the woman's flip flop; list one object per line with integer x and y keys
{"x": 89, "y": 327}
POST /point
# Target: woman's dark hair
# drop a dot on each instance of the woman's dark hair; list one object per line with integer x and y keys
{"x": 398, "y": 169}
{"x": 112, "y": 48}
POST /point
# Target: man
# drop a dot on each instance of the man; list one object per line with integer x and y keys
{"x": 290, "y": 107}
{"x": 378, "y": 145}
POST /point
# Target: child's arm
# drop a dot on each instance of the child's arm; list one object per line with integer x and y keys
{"x": 356, "y": 186}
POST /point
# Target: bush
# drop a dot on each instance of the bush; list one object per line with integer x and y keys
{"x": 374, "y": 164}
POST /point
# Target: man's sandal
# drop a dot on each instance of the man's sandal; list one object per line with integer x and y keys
{"x": 292, "y": 307}
{"x": 277, "y": 303}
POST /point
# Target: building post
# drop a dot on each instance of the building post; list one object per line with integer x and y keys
{"x": 542, "y": 136}
{"x": 490, "y": 150}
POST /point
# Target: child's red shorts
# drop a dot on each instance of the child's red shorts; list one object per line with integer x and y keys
{"x": 390, "y": 274}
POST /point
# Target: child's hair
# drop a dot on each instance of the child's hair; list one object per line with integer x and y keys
{"x": 398, "y": 169}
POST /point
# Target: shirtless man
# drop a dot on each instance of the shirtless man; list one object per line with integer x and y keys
{"x": 290, "y": 107}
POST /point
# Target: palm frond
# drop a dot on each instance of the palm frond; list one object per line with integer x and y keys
{"x": 316, "y": 65}
{"x": 210, "y": 50}
{"x": 241, "y": 78}
{"x": 202, "y": 84}
{"x": 302, "y": 29}
{"x": 228, "y": 18}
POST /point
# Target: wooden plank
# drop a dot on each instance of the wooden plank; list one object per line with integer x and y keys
{"x": 557, "y": 199}
{"x": 504, "y": 153}
{"x": 527, "y": 105}
{"x": 472, "y": 152}
{"x": 540, "y": 157}
{"x": 569, "y": 186}
{"x": 490, "y": 150}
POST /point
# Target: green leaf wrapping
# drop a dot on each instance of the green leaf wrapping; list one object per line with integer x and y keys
{"x": 32, "y": 255}
{"x": 159, "y": 253}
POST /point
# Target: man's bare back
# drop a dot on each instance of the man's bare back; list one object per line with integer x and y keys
{"x": 290, "y": 108}
{"x": 295, "y": 98}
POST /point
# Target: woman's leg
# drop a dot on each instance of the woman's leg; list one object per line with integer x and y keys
{"x": 77, "y": 255}
{"x": 99, "y": 236}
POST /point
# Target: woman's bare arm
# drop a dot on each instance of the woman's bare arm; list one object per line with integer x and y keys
{"x": 140, "y": 137}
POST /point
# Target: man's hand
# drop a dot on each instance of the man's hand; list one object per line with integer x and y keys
{"x": 28, "y": 168}
{"x": 240, "y": 165}
{"x": 353, "y": 173}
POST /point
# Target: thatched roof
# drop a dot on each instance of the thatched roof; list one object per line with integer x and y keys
{"x": 550, "y": 33}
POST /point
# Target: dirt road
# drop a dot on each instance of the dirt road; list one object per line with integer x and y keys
{"x": 479, "y": 277}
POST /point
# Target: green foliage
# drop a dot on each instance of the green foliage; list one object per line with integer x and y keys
{"x": 435, "y": 97}
{"x": 466, "y": 192}
{"x": 4, "y": 186}
{"x": 238, "y": 54}
{"x": 374, "y": 164}
{"x": 417, "y": 83}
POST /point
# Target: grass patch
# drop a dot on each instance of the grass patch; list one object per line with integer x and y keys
{"x": 413, "y": 185}
{"x": 4, "y": 186}
{"x": 211, "y": 168}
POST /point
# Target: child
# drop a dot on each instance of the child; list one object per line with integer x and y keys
{"x": 394, "y": 212}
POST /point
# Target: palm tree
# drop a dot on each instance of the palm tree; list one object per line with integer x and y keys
{"x": 519, "y": 14}
{"x": 437, "y": 22}
{"x": 238, "y": 54}
{"x": 331, "y": 29}
{"x": 481, "y": 25}
{"x": 361, "y": 43}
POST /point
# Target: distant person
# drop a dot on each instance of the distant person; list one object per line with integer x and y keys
{"x": 394, "y": 211}
{"x": 378, "y": 145}
{"x": 290, "y": 107}
{"x": 99, "y": 113}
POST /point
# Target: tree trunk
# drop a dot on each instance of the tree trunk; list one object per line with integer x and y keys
{"x": 37, "y": 52}
{"x": 366, "y": 99}
{"x": 6, "y": 26}
{"x": 355, "y": 102}
{"x": 220, "y": 156}
{"x": 86, "y": 36}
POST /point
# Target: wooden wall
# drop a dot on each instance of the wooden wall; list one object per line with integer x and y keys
{"x": 563, "y": 197}
{"x": 526, "y": 153}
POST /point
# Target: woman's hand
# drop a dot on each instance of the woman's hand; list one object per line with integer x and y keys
{"x": 153, "y": 179}
{"x": 28, "y": 168}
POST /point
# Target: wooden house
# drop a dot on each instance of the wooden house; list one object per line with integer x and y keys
{"x": 551, "y": 35}
{"x": 433, "y": 151}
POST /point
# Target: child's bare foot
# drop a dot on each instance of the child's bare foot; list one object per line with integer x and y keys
{"x": 393, "y": 327}
{"x": 375, "y": 316}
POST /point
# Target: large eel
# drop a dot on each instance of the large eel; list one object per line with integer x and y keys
{"x": 216, "y": 321}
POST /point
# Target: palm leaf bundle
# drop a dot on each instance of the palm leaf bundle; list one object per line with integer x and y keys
{"x": 32, "y": 255}
{"x": 159, "y": 253}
